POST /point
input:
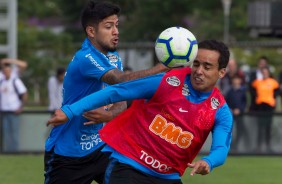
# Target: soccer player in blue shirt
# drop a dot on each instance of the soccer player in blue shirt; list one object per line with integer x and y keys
{"x": 72, "y": 150}
{"x": 158, "y": 137}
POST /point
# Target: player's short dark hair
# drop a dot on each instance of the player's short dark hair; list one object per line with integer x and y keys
{"x": 264, "y": 58}
{"x": 236, "y": 76}
{"x": 95, "y": 11}
{"x": 220, "y": 47}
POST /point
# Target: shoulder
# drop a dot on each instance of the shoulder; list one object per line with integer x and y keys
{"x": 19, "y": 84}
{"x": 82, "y": 55}
{"x": 86, "y": 53}
{"x": 275, "y": 82}
{"x": 52, "y": 79}
{"x": 254, "y": 82}
{"x": 217, "y": 94}
{"x": 224, "y": 115}
{"x": 17, "y": 80}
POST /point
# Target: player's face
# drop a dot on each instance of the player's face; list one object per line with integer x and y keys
{"x": 106, "y": 35}
{"x": 205, "y": 72}
{"x": 7, "y": 71}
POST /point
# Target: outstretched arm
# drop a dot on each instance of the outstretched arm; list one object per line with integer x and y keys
{"x": 116, "y": 76}
{"x": 221, "y": 140}
{"x": 20, "y": 63}
{"x": 137, "y": 89}
{"x": 101, "y": 114}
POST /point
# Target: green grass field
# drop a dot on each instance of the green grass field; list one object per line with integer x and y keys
{"x": 28, "y": 169}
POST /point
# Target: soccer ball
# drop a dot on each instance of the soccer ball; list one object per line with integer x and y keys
{"x": 176, "y": 47}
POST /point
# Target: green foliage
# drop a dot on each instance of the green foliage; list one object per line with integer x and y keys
{"x": 250, "y": 56}
{"x": 140, "y": 21}
{"x": 44, "y": 51}
{"x": 71, "y": 11}
{"x": 45, "y": 8}
{"x": 144, "y": 20}
{"x": 151, "y": 17}
{"x": 238, "y": 20}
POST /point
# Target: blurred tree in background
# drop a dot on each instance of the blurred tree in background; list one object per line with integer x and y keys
{"x": 144, "y": 20}
{"x": 49, "y": 31}
{"x": 41, "y": 46}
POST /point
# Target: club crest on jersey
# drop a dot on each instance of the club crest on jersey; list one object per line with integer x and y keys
{"x": 112, "y": 57}
{"x": 214, "y": 103}
{"x": 185, "y": 90}
{"x": 174, "y": 81}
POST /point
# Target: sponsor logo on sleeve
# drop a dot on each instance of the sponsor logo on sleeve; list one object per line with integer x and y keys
{"x": 173, "y": 81}
{"x": 214, "y": 103}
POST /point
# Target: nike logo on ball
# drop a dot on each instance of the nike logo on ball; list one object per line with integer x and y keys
{"x": 182, "y": 110}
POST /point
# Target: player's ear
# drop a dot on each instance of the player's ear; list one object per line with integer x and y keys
{"x": 222, "y": 72}
{"x": 90, "y": 30}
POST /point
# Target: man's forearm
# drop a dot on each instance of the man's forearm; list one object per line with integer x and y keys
{"x": 159, "y": 68}
{"x": 116, "y": 76}
{"x": 117, "y": 108}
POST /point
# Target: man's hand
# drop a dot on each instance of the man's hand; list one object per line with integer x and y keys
{"x": 199, "y": 167}
{"x": 99, "y": 115}
{"x": 58, "y": 118}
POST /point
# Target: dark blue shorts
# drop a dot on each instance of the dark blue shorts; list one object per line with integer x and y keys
{"x": 75, "y": 170}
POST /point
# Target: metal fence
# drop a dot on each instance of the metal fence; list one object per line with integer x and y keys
{"x": 33, "y": 133}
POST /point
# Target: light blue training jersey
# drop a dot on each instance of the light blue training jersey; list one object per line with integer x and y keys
{"x": 83, "y": 77}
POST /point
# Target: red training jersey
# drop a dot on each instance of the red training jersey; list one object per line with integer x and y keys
{"x": 166, "y": 132}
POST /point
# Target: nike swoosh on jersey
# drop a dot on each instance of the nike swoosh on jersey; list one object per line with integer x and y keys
{"x": 182, "y": 110}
